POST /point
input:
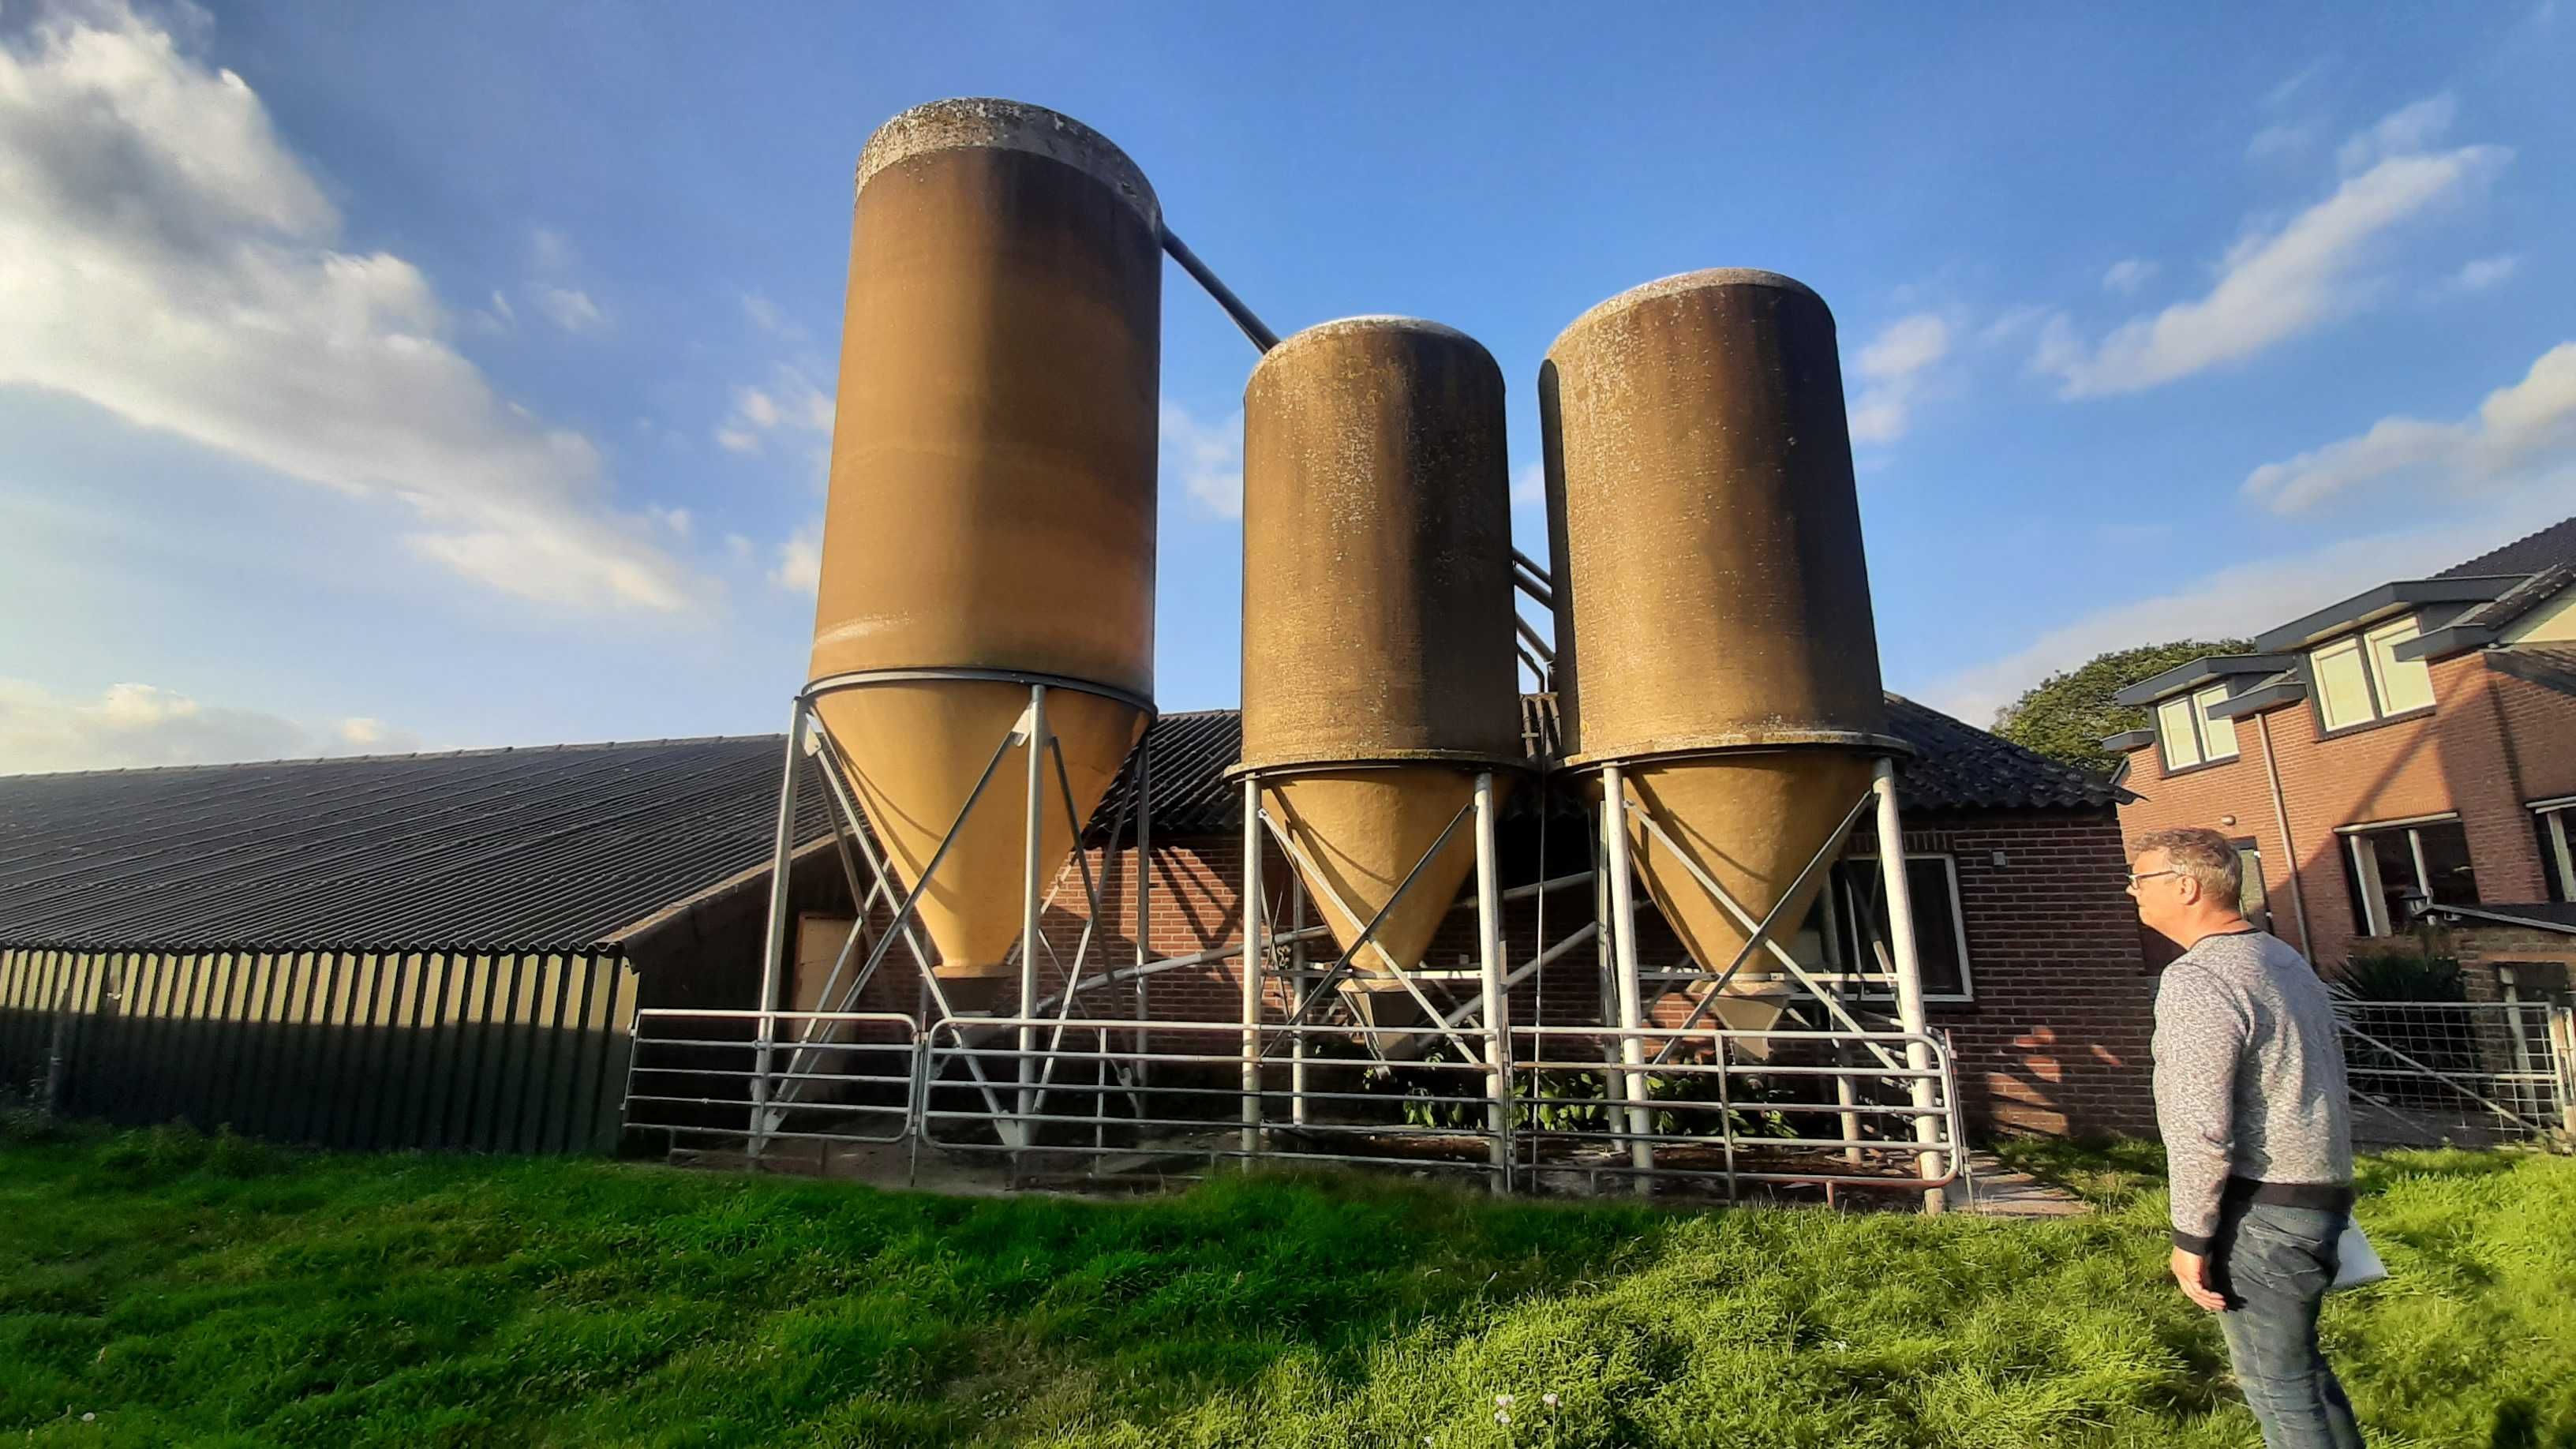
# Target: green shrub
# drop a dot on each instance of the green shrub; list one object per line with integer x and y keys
{"x": 2404, "y": 976}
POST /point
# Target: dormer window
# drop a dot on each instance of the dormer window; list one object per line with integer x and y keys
{"x": 2359, "y": 678}
{"x": 2187, "y": 734}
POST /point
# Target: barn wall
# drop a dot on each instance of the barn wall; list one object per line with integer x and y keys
{"x": 511, "y": 1052}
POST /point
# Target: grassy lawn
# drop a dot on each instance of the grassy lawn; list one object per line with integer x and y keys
{"x": 183, "y": 1289}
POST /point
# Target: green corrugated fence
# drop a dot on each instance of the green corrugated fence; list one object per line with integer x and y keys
{"x": 475, "y": 1051}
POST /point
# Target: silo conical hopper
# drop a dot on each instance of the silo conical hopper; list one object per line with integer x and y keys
{"x": 1378, "y": 664}
{"x": 1712, "y": 600}
{"x": 991, "y": 516}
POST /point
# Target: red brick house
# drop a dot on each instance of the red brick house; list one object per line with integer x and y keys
{"x": 2414, "y": 744}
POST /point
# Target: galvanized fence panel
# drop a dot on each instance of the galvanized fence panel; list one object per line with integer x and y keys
{"x": 2474, "y": 1074}
{"x": 783, "y": 1087}
{"x": 1089, "y": 1095}
{"x": 1109, "y": 1099}
{"x": 513, "y": 1053}
{"x": 1725, "y": 1108}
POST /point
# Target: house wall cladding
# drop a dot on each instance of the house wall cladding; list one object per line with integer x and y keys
{"x": 420, "y": 1049}
{"x": 2491, "y": 744}
{"x": 2055, "y": 1040}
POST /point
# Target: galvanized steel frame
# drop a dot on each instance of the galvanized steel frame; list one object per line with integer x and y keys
{"x": 1924, "y": 1066}
{"x": 850, "y": 826}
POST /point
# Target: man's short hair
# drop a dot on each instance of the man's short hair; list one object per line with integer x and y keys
{"x": 2204, "y": 855}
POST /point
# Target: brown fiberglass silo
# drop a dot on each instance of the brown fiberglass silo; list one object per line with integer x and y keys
{"x": 1378, "y": 667}
{"x": 992, "y": 493}
{"x": 1712, "y": 599}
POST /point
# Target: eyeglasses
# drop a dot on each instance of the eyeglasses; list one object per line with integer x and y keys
{"x": 2136, "y": 876}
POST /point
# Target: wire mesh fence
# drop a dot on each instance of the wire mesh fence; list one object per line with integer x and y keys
{"x": 2470, "y": 1074}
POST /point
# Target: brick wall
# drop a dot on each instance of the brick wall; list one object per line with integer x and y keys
{"x": 2542, "y": 962}
{"x": 2491, "y": 744}
{"x": 2054, "y": 1041}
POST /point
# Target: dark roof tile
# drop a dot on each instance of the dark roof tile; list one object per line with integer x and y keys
{"x": 558, "y": 848}
{"x": 2555, "y": 544}
{"x": 532, "y": 849}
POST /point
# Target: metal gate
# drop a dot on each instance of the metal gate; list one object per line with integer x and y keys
{"x": 2464, "y": 1073}
{"x": 1056, "y": 1100}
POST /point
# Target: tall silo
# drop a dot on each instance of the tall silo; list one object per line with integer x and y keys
{"x": 1378, "y": 663}
{"x": 992, "y": 509}
{"x": 1712, "y": 601}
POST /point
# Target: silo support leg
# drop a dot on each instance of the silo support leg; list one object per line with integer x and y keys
{"x": 1030, "y": 906}
{"x": 1622, "y": 926}
{"x": 1252, "y": 914}
{"x": 1496, "y": 1003}
{"x": 775, "y": 944}
{"x": 1296, "y": 993}
{"x": 1909, "y": 978}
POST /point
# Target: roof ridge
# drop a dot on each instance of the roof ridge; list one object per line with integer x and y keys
{"x": 2483, "y": 566}
{"x": 558, "y": 748}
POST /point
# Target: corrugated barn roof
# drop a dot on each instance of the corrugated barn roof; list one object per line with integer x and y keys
{"x": 559, "y": 848}
{"x": 531, "y": 849}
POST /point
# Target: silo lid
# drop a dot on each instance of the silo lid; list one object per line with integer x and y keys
{"x": 967, "y": 122}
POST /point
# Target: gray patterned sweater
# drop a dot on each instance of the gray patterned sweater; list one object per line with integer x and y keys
{"x": 2249, "y": 1082}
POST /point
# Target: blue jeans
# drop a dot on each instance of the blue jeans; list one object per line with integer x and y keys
{"x": 2273, "y": 1263}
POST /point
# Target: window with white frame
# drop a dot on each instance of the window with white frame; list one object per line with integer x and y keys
{"x": 2189, "y": 736}
{"x": 1848, "y": 926}
{"x": 2386, "y": 864}
{"x": 2555, "y": 822}
{"x": 2359, "y": 678}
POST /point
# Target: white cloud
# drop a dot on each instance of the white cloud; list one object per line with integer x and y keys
{"x": 1529, "y": 485}
{"x": 550, "y": 250}
{"x": 2288, "y": 90}
{"x": 1906, "y": 347}
{"x": 2273, "y": 286}
{"x": 569, "y": 308}
{"x": 2483, "y": 273}
{"x": 2282, "y": 142}
{"x": 1894, "y": 364}
{"x": 131, "y": 725}
{"x": 791, "y": 400}
{"x": 2238, "y": 600}
{"x": 2407, "y": 131}
{"x": 501, "y": 307}
{"x": 679, "y": 520}
{"x": 165, "y": 257}
{"x": 739, "y": 545}
{"x": 2012, "y": 322}
{"x": 2128, "y": 275}
{"x": 1207, "y": 459}
{"x": 2521, "y": 434}
{"x": 769, "y": 317}
{"x": 800, "y": 560}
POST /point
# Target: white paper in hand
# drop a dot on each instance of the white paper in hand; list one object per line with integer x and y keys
{"x": 2356, "y": 1261}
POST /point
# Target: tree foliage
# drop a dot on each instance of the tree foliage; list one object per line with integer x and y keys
{"x": 2067, "y": 715}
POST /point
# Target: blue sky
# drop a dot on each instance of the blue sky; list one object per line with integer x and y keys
{"x": 389, "y": 378}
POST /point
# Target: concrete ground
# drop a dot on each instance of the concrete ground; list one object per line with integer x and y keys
{"x": 2001, "y": 1192}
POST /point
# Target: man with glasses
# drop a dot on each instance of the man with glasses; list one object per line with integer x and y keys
{"x": 2251, "y": 1102}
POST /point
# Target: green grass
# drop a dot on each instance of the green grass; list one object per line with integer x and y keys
{"x": 186, "y": 1289}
